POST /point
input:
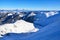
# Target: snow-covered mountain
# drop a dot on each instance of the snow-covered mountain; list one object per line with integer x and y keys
{"x": 19, "y": 26}
{"x": 26, "y": 25}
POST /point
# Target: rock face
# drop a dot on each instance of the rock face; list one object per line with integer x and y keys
{"x": 19, "y": 26}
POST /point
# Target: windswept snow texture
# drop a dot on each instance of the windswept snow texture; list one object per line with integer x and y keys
{"x": 19, "y": 26}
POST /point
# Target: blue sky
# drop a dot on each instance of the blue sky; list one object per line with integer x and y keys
{"x": 30, "y": 4}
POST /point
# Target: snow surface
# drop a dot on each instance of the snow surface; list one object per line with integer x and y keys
{"x": 48, "y": 14}
{"x": 32, "y": 14}
{"x": 19, "y": 26}
{"x": 10, "y": 14}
